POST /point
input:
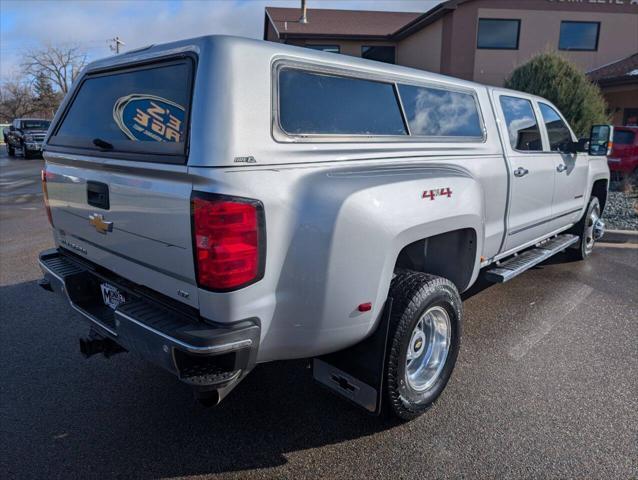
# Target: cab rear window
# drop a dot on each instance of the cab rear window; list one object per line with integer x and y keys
{"x": 142, "y": 110}
{"x": 35, "y": 124}
{"x": 623, "y": 137}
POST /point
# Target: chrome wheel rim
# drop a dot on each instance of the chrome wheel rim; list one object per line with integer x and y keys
{"x": 428, "y": 348}
{"x": 592, "y": 220}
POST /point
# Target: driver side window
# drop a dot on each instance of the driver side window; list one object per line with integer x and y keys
{"x": 557, "y": 131}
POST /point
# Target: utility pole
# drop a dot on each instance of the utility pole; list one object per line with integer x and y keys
{"x": 116, "y": 45}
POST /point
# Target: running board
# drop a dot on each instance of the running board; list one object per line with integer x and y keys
{"x": 529, "y": 258}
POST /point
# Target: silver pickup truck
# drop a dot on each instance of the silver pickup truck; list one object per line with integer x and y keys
{"x": 222, "y": 202}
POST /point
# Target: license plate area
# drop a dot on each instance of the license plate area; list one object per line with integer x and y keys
{"x": 86, "y": 294}
{"x": 111, "y": 296}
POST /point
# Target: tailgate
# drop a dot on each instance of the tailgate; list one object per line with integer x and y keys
{"x": 116, "y": 174}
{"x": 144, "y": 235}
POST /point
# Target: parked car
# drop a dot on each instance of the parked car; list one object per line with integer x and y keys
{"x": 234, "y": 202}
{"x": 623, "y": 159}
{"x": 5, "y": 132}
{"x": 26, "y": 135}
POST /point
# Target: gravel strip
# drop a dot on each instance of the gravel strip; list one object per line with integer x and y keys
{"x": 621, "y": 211}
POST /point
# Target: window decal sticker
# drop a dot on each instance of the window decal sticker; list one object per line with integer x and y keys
{"x": 149, "y": 118}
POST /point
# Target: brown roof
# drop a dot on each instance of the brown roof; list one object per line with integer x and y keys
{"x": 338, "y": 23}
{"x": 428, "y": 17}
{"x": 622, "y": 71}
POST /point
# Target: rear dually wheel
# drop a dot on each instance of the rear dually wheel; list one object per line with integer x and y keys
{"x": 425, "y": 336}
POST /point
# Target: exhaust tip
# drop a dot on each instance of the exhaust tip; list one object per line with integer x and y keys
{"x": 208, "y": 398}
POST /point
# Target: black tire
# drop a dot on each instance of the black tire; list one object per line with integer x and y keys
{"x": 583, "y": 248}
{"x": 414, "y": 293}
{"x": 11, "y": 151}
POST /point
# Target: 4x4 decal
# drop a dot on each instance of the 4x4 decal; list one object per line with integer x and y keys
{"x": 439, "y": 192}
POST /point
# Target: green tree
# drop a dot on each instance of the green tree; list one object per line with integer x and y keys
{"x": 551, "y": 76}
{"x": 46, "y": 99}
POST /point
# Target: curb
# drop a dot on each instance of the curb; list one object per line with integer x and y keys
{"x": 620, "y": 236}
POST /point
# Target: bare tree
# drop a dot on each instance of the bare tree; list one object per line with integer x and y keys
{"x": 16, "y": 100}
{"x": 59, "y": 64}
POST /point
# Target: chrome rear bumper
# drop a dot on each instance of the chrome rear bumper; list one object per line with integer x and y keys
{"x": 202, "y": 354}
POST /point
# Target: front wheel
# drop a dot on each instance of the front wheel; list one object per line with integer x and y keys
{"x": 590, "y": 228}
{"x": 425, "y": 336}
{"x": 11, "y": 151}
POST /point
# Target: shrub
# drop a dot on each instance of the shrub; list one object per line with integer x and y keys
{"x": 551, "y": 76}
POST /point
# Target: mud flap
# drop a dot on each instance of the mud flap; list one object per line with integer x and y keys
{"x": 356, "y": 373}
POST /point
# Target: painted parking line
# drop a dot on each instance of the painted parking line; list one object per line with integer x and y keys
{"x": 551, "y": 313}
{"x": 632, "y": 246}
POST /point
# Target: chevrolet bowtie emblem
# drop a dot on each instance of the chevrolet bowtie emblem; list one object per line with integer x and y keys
{"x": 97, "y": 220}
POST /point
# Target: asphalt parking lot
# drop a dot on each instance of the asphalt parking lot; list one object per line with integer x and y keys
{"x": 546, "y": 386}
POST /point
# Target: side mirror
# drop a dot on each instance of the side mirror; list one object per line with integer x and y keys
{"x": 600, "y": 140}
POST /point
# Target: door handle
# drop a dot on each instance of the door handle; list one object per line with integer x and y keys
{"x": 561, "y": 168}
{"x": 520, "y": 172}
{"x": 97, "y": 194}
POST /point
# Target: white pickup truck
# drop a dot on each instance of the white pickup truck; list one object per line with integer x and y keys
{"x": 221, "y": 202}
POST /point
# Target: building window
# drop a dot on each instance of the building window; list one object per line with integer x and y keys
{"x": 378, "y": 53}
{"x": 580, "y": 36}
{"x": 522, "y": 126}
{"x": 326, "y": 48}
{"x": 498, "y": 34}
{"x": 630, "y": 117}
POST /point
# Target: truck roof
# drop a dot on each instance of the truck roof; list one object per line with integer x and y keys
{"x": 241, "y": 45}
{"x": 233, "y": 116}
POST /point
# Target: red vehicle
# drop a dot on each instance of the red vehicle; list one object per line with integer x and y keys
{"x": 623, "y": 160}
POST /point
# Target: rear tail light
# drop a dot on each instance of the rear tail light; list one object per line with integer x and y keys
{"x": 44, "y": 175}
{"x": 229, "y": 241}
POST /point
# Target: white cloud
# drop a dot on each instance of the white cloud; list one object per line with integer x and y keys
{"x": 29, "y": 23}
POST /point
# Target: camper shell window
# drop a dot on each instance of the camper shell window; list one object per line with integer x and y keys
{"x": 141, "y": 110}
{"x": 333, "y": 105}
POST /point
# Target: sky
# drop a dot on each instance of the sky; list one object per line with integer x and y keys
{"x": 30, "y": 24}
